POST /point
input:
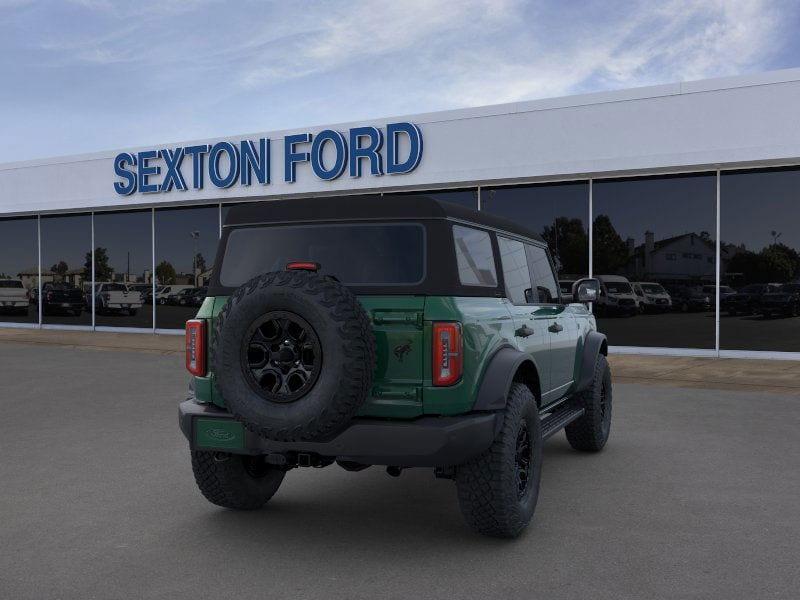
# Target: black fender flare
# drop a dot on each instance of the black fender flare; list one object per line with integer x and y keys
{"x": 594, "y": 344}
{"x": 498, "y": 377}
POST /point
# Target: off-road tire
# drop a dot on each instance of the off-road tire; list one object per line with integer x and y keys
{"x": 590, "y": 432}
{"x": 347, "y": 346}
{"x": 235, "y": 481}
{"x": 487, "y": 486}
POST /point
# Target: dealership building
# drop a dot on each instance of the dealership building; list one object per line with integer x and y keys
{"x": 686, "y": 192}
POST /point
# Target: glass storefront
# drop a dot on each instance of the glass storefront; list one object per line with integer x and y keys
{"x": 66, "y": 243}
{"x": 760, "y": 260}
{"x": 19, "y": 270}
{"x": 654, "y": 251}
{"x": 468, "y": 198}
{"x": 123, "y": 266}
{"x": 186, "y": 244}
{"x": 558, "y": 212}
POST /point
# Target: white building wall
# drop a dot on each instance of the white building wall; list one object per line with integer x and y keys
{"x": 723, "y": 122}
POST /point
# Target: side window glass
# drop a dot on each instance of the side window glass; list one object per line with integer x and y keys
{"x": 515, "y": 271}
{"x": 474, "y": 257}
{"x": 546, "y": 290}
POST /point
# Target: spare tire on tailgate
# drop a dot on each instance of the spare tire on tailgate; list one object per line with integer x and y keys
{"x": 293, "y": 355}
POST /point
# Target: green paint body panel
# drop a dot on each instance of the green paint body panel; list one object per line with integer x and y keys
{"x": 402, "y": 384}
{"x": 225, "y": 434}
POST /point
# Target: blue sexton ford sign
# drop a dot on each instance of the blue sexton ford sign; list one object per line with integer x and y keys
{"x": 225, "y": 164}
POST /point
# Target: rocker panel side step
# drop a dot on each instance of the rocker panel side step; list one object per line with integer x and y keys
{"x": 560, "y": 418}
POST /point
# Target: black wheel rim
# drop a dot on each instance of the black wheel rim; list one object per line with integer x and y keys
{"x": 282, "y": 357}
{"x": 523, "y": 462}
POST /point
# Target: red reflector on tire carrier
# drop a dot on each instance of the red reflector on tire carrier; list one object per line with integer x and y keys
{"x": 303, "y": 265}
{"x": 196, "y": 347}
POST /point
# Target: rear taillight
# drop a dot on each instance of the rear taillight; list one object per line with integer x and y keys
{"x": 447, "y": 353}
{"x": 196, "y": 347}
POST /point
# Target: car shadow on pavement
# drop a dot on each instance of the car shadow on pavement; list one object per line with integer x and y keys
{"x": 341, "y": 507}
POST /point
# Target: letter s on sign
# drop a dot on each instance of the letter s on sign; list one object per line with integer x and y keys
{"x": 128, "y": 185}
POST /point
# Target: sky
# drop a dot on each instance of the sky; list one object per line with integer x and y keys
{"x": 89, "y": 75}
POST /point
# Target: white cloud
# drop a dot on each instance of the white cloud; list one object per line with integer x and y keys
{"x": 200, "y": 68}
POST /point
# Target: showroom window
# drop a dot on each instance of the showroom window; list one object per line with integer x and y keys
{"x": 66, "y": 269}
{"x": 19, "y": 271}
{"x": 760, "y": 260}
{"x": 123, "y": 267}
{"x": 467, "y": 198}
{"x": 186, "y": 245}
{"x": 559, "y": 212}
{"x": 66, "y": 243}
{"x": 660, "y": 231}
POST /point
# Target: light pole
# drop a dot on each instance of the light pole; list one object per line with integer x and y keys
{"x": 195, "y": 236}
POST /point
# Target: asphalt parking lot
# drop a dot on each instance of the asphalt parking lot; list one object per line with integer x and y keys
{"x": 694, "y": 497}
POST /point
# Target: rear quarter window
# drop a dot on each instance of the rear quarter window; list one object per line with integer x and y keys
{"x": 474, "y": 257}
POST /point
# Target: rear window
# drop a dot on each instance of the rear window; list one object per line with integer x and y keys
{"x": 10, "y": 284}
{"x": 356, "y": 254}
{"x": 114, "y": 287}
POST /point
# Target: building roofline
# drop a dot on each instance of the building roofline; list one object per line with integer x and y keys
{"x": 545, "y": 104}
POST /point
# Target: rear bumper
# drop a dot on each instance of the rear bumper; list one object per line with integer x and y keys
{"x": 423, "y": 442}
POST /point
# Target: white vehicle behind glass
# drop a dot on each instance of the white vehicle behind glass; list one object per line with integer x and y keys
{"x": 652, "y": 297}
{"x": 13, "y": 296}
{"x": 163, "y": 295}
{"x": 616, "y": 296}
{"x": 115, "y": 298}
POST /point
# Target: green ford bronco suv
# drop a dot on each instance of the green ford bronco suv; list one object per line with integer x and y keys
{"x": 395, "y": 331}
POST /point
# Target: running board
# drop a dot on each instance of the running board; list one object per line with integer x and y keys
{"x": 560, "y": 418}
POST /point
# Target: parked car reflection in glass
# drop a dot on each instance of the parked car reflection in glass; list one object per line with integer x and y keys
{"x": 114, "y": 298}
{"x": 783, "y": 302}
{"x": 62, "y": 298}
{"x": 616, "y": 296}
{"x": 14, "y": 298}
{"x": 691, "y": 299}
{"x": 748, "y": 299}
{"x": 652, "y": 297}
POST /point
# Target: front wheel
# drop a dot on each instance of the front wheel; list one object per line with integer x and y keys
{"x": 235, "y": 481}
{"x": 498, "y": 490}
{"x": 590, "y": 432}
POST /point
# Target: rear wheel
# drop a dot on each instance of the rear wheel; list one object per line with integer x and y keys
{"x": 590, "y": 432}
{"x": 235, "y": 481}
{"x": 498, "y": 490}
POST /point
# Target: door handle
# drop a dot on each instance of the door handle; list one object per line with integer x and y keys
{"x": 555, "y": 328}
{"x": 524, "y": 331}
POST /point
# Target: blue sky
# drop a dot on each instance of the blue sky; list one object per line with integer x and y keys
{"x": 86, "y": 75}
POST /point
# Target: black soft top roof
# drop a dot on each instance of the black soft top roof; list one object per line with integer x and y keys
{"x": 366, "y": 207}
